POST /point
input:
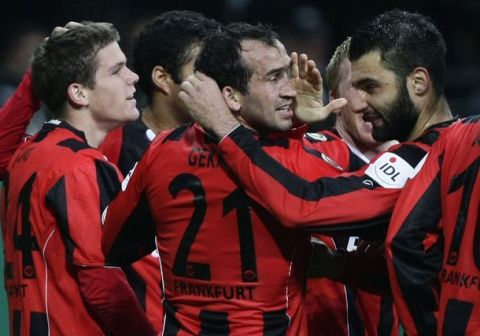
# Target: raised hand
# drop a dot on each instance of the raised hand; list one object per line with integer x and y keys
{"x": 205, "y": 103}
{"x": 307, "y": 81}
{"x": 57, "y": 31}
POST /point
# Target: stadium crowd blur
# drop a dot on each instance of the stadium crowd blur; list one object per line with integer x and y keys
{"x": 314, "y": 27}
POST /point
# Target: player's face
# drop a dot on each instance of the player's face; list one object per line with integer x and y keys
{"x": 390, "y": 109}
{"x": 111, "y": 100}
{"x": 350, "y": 117}
{"x": 268, "y": 104}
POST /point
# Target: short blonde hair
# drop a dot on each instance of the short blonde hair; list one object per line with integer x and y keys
{"x": 332, "y": 74}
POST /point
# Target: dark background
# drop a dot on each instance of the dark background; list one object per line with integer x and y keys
{"x": 315, "y": 27}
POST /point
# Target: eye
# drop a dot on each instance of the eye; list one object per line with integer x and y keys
{"x": 274, "y": 77}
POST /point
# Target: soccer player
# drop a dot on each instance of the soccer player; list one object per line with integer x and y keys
{"x": 398, "y": 65}
{"x": 56, "y": 187}
{"x": 333, "y": 308}
{"x": 433, "y": 239}
{"x": 228, "y": 266}
{"x": 163, "y": 55}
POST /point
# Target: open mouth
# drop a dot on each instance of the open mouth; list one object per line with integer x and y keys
{"x": 285, "y": 109}
{"x": 371, "y": 118}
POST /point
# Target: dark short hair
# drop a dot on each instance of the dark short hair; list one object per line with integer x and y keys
{"x": 69, "y": 58}
{"x": 405, "y": 41}
{"x": 332, "y": 73}
{"x": 221, "y": 57}
{"x": 168, "y": 41}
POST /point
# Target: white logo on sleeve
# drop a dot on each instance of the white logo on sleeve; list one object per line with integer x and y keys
{"x": 390, "y": 171}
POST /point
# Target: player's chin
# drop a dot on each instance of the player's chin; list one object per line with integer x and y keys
{"x": 284, "y": 124}
{"x": 131, "y": 114}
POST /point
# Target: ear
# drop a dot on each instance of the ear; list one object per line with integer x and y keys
{"x": 161, "y": 79}
{"x": 419, "y": 82}
{"x": 77, "y": 94}
{"x": 232, "y": 98}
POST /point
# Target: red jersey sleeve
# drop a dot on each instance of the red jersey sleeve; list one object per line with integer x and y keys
{"x": 432, "y": 242}
{"x": 14, "y": 118}
{"x": 328, "y": 203}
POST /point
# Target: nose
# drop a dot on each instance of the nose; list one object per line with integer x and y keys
{"x": 132, "y": 77}
{"x": 287, "y": 90}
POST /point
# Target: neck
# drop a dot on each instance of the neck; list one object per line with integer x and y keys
{"x": 434, "y": 112}
{"x": 368, "y": 151}
{"x": 161, "y": 115}
{"x": 95, "y": 132}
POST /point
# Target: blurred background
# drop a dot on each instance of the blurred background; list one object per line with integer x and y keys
{"x": 314, "y": 27}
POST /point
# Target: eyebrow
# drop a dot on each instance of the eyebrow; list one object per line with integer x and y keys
{"x": 365, "y": 81}
{"x": 117, "y": 66}
{"x": 277, "y": 70}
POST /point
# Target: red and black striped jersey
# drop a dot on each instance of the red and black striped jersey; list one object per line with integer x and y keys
{"x": 228, "y": 266}
{"x": 433, "y": 242}
{"x": 124, "y": 147}
{"x": 56, "y": 188}
{"x": 349, "y": 203}
{"x": 334, "y": 308}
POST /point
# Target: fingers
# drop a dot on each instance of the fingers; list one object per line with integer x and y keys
{"x": 335, "y": 104}
{"x": 315, "y": 78}
{"x": 303, "y": 66}
{"x": 294, "y": 65}
{"x": 73, "y": 24}
{"x": 57, "y": 31}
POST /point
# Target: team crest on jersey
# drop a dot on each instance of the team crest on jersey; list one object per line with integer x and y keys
{"x": 390, "y": 171}
{"x": 316, "y": 137}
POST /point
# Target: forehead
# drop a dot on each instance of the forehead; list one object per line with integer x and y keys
{"x": 371, "y": 67}
{"x": 263, "y": 57}
{"x": 109, "y": 56}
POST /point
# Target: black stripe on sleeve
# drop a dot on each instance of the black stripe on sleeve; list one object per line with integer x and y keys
{"x": 415, "y": 268}
{"x": 137, "y": 283}
{"x": 108, "y": 182}
{"x": 136, "y": 238}
{"x": 295, "y": 185}
{"x": 57, "y": 199}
